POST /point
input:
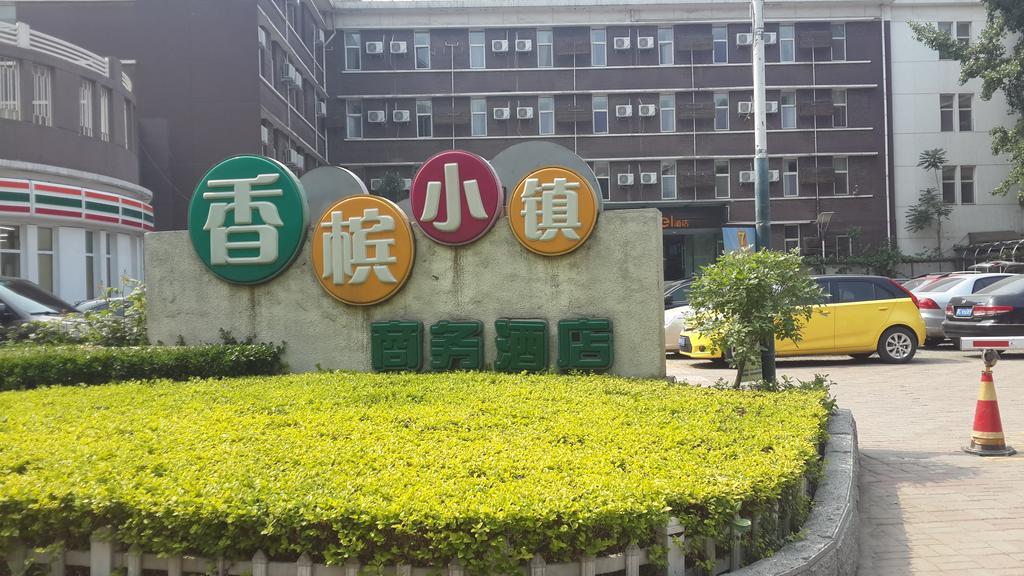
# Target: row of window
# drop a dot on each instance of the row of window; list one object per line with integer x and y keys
{"x": 665, "y": 113}
{"x": 842, "y": 244}
{"x": 276, "y": 144}
{"x": 301, "y": 20}
{"x": 285, "y": 77}
{"x": 42, "y": 102}
{"x": 720, "y": 45}
{"x": 12, "y": 257}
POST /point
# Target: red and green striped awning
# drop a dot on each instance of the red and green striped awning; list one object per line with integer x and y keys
{"x": 62, "y": 201}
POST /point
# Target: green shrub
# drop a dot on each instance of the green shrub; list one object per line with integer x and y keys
{"x": 415, "y": 468}
{"x": 23, "y": 367}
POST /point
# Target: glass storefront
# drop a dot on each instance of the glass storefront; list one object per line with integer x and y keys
{"x": 686, "y": 252}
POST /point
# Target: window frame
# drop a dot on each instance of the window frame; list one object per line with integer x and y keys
{"x": 723, "y": 109}
{"x": 845, "y": 172}
{"x": 668, "y": 175}
{"x": 667, "y": 112}
{"x": 14, "y": 248}
{"x": 594, "y": 99}
{"x": 475, "y": 114}
{"x": 960, "y": 112}
{"x": 788, "y": 110}
{"x": 85, "y": 100}
{"x": 719, "y": 42}
{"x": 356, "y": 46}
{"x": 785, "y": 41}
{"x": 353, "y": 110}
{"x": 418, "y": 46}
{"x": 46, "y": 255}
{"x": 849, "y": 245}
{"x": 841, "y": 40}
{"x": 596, "y": 33}
{"x": 669, "y": 42}
{"x": 603, "y": 171}
{"x": 42, "y": 95}
{"x": 546, "y": 114}
{"x": 106, "y": 99}
{"x": 961, "y": 181}
{"x": 10, "y": 89}
{"x": 427, "y": 105}
{"x": 790, "y": 190}
{"x": 843, "y": 106}
{"x": 727, "y": 180}
{"x": 477, "y": 47}
{"x": 545, "y": 47}
{"x": 949, "y": 183}
{"x": 786, "y": 238}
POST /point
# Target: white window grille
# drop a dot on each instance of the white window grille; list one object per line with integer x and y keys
{"x": 9, "y": 90}
{"x": 479, "y": 116}
{"x": 545, "y": 53}
{"x": 42, "y": 112}
{"x": 105, "y": 98}
{"x": 667, "y": 107}
{"x": 546, "y": 111}
{"x": 85, "y": 108}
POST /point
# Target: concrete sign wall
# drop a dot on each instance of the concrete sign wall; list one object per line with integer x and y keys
{"x": 616, "y": 274}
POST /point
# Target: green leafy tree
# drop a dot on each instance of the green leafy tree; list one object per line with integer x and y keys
{"x": 1000, "y": 69}
{"x": 930, "y": 209}
{"x": 746, "y": 297}
{"x": 391, "y": 187}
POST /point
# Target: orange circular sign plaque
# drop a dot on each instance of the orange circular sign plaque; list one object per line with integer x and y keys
{"x": 363, "y": 249}
{"x": 553, "y": 211}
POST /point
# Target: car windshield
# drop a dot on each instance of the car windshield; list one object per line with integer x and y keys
{"x": 942, "y": 284}
{"x": 32, "y": 299}
{"x": 678, "y": 295}
{"x": 1008, "y": 285}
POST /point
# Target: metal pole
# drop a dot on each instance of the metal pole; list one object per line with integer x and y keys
{"x": 762, "y": 206}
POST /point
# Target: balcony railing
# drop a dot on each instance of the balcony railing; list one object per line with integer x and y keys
{"x": 22, "y": 36}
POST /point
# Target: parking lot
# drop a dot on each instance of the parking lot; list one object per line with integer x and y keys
{"x": 926, "y": 506}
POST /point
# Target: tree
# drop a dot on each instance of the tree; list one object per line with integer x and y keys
{"x": 998, "y": 68}
{"x": 391, "y": 187}
{"x": 746, "y": 297}
{"x": 930, "y": 209}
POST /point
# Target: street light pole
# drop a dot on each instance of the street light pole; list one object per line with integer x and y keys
{"x": 762, "y": 206}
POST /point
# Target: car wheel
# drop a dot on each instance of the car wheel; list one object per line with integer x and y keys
{"x": 932, "y": 342}
{"x": 897, "y": 345}
{"x": 861, "y": 357}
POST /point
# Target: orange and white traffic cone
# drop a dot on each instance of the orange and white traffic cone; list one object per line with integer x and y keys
{"x": 987, "y": 436}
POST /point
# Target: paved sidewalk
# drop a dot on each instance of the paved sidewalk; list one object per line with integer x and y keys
{"x": 926, "y": 506}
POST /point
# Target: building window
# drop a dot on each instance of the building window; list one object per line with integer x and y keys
{"x": 666, "y": 50}
{"x": 90, "y": 264}
{"x": 839, "y": 108}
{"x": 108, "y": 259}
{"x": 9, "y": 90}
{"x": 721, "y": 178}
{"x": 10, "y": 250}
{"x": 839, "y": 41}
{"x": 955, "y": 112}
{"x": 129, "y": 124}
{"x": 262, "y": 35}
{"x": 352, "y": 51}
{"x": 598, "y": 47}
{"x": 105, "y": 102}
{"x": 964, "y": 105}
{"x": 603, "y": 173}
{"x": 962, "y": 32}
{"x": 720, "y": 38}
{"x": 353, "y": 119}
{"x": 947, "y": 111}
{"x": 667, "y": 112}
{"x": 421, "y": 38}
{"x": 44, "y": 253}
{"x": 478, "y": 111}
{"x": 792, "y": 237}
{"x": 841, "y": 171}
{"x": 790, "y": 178}
{"x": 546, "y": 111}
{"x": 41, "y": 95}
{"x": 788, "y": 110}
{"x": 949, "y": 184}
{"x": 424, "y": 119}
{"x": 967, "y": 184}
{"x": 545, "y": 53}
{"x": 599, "y": 104}
{"x": 477, "y": 49}
{"x": 844, "y": 247}
{"x": 787, "y": 43}
{"x": 85, "y": 108}
{"x": 668, "y": 180}
{"x": 721, "y": 111}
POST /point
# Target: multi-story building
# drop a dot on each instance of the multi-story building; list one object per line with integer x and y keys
{"x": 931, "y": 109}
{"x": 72, "y": 212}
{"x": 214, "y": 79}
{"x": 655, "y": 95}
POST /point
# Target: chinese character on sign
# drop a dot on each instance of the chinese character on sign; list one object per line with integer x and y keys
{"x": 522, "y": 345}
{"x": 247, "y": 219}
{"x": 456, "y": 197}
{"x": 396, "y": 346}
{"x": 553, "y": 211}
{"x": 585, "y": 344}
{"x": 457, "y": 345}
{"x": 364, "y": 250}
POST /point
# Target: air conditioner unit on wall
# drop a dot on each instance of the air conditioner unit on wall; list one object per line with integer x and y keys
{"x": 265, "y": 134}
{"x": 771, "y": 106}
{"x": 406, "y": 183}
{"x": 744, "y": 107}
{"x": 499, "y": 46}
{"x": 648, "y": 177}
{"x": 625, "y": 179}
{"x": 624, "y": 110}
{"x": 374, "y": 47}
{"x": 375, "y": 116}
{"x": 773, "y": 175}
{"x": 398, "y": 47}
{"x": 376, "y": 183}
{"x": 769, "y": 38}
{"x": 645, "y": 42}
{"x": 400, "y": 115}
{"x": 321, "y": 108}
{"x": 502, "y": 113}
{"x": 746, "y": 176}
{"x": 524, "y": 112}
{"x": 648, "y": 110}
{"x": 524, "y": 45}
{"x": 288, "y": 74}
{"x": 744, "y": 39}
{"x": 621, "y": 43}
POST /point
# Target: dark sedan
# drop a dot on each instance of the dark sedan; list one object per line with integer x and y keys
{"x": 997, "y": 310}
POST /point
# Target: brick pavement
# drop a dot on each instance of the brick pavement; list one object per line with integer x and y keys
{"x": 926, "y": 506}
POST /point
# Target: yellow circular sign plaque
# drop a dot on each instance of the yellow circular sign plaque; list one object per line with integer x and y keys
{"x": 363, "y": 250}
{"x": 553, "y": 211}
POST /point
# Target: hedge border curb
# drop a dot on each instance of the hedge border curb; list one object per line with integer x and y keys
{"x": 830, "y": 546}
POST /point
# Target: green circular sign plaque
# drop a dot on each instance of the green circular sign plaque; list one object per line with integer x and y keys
{"x": 247, "y": 219}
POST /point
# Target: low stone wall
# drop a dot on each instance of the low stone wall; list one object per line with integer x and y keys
{"x": 830, "y": 546}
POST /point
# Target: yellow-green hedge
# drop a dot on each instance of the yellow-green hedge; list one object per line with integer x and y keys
{"x": 420, "y": 469}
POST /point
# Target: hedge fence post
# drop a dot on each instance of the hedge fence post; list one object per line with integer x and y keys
{"x": 673, "y": 539}
{"x": 101, "y": 552}
{"x": 632, "y": 560}
{"x": 174, "y": 565}
{"x": 588, "y": 567}
{"x": 537, "y": 565}
{"x": 259, "y": 564}
{"x": 133, "y": 561}
{"x": 304, "y": 566}
{"x": 17, "y": 558}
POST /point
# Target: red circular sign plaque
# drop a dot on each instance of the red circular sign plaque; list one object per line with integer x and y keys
{"x": 456, "y": 197}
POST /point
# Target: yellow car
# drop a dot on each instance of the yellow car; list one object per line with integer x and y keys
{"x": 862, "y": 315}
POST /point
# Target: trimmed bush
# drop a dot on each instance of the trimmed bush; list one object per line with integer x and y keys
{"x": 23, "y": 367}
{"x": 413, "y": 468}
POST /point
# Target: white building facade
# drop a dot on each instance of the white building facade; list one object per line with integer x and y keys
{"x": 931, "y": 109}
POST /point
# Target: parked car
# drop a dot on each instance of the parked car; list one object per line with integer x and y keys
{"x": 23, "y": 301}
{"x": 997, "y": 310}
{"x": 920, "y": 281}
{"x": 114, "y": 303}
{"x": 677, "y": 311}
{"x": 933, "y": 297}
{"x": 998, "y": 266}
{"x": 860, "y": 316}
